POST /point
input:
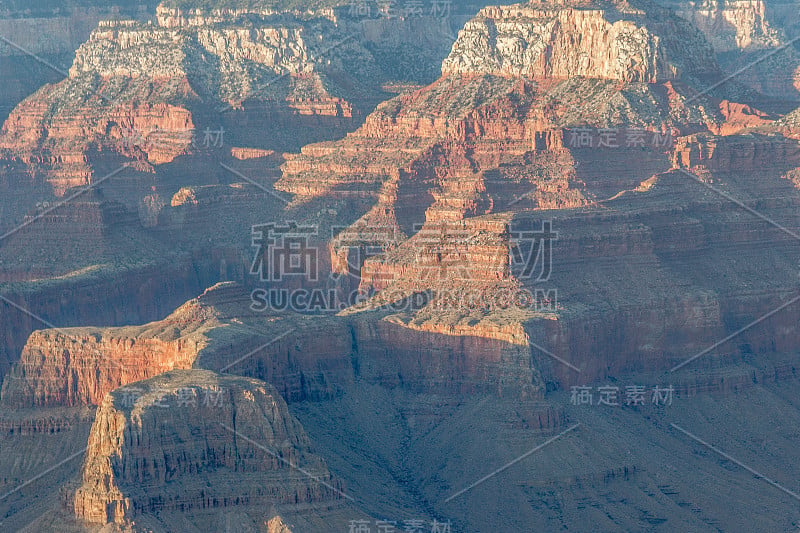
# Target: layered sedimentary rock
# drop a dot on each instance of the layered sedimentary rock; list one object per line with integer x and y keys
{"x": 193, "y": 440}
{"x": 307, "y": 357}
{"x": 133, "y": 96}
{"x": 510, "y": 229}
{"x": 79, "y": 366}
{"x": 732, "y": 24}
{"x": 178, "y": 13}
{"x": 493, "y": 105}
{"x": 73, "y": 380}
{"x": 615, "y": 41}
{"x": 752, "y": 39}
{"x": 441, "y": 180}
{"x": 64, "y": 258}
{"x": 131, "y": 87}
{"x": 52, "y": 35}
{"x": 153, "y": 92}
{"x": 457, "y": 165}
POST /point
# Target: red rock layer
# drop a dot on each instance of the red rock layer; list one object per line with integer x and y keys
{"x": 146, "y": 456}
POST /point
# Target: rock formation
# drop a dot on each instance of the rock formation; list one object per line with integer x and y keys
{"x": 115, "y": 100}
{"x": 615, "y": 41}
{"x": 308, "y": 358}
{"x": 52, "y": 35}
{"x": 579, "y": 198}
{"x": 461, "y": 161}
{"x": 449, "y": 173}
{"x": 752, "y": 39}
{"x": 197, "y": 440}
{"x": 732, "y": 24}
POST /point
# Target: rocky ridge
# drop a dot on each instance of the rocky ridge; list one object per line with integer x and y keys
{"x": 732, "y": 24}
{"x": 604, "y": 40}
{"x": 752, "y": 39}
{"x": 145, "y": 455}
{"x": 651, "y": 264}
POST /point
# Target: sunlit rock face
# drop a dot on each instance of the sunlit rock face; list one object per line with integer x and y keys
{"x": 177, "y": 441}
{"x": 561, "y": 40}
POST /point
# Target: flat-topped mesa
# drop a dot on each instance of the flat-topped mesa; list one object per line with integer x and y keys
{"x": 74, "y": 367}
{"x": 171, "y": 14}
{"x": 136, "y": 91}
{"x": 71, "y": 367}
{"x": 597, "y": 40}
{"x": 195, "y": 439}
{"x": 284, "y": 47}
{"x": 78, "y": 366}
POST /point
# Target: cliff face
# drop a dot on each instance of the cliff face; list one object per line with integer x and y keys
{"x": 132, "y": 50}
{"x": 560, "y": 41}
{"x": 582, "y": 121}
{"x": 307, "y": 358}
{"x": 136, "y": 295}
{"x": 88, "y": 250}
{"x": 745, "y": 153}
{"x": 72, "y": 379}
{"x": 144, "y": 91}
{"x": 178, "y": 440}
{"x": 447, "y": 170}
{"x": 53, "y": 35}
{"x": 732, "y": 24}
{"x": 499, "y": 99}
{"x": 742, "y": 33}
{"x": 133, "y": 89}
{"x": 447, "y": 166}
{"x": 79, "y": 366}
{"x": 458, "y": 165}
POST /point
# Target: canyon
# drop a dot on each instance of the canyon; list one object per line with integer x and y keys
{"x": 561, "y": 196}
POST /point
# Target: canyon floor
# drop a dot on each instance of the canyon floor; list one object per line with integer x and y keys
{"x": 401, "y": 456}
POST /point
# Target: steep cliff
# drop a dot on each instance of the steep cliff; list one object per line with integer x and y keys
{"x": 752, "y": 39}
{"x": 52, "y": 35}
{"x": 306, "y": 357}
{"x": 450, "y": 171}
{"x": 79, "y": 366}
{"x": 152, "y": 91}
{"x": 133, "y": 89}
{"x": 732, "y": 24}
{"x": 500, "y": 145}
{"x": 178, "y": 441}
{"x": 566, "y": 205}
{"x": 617, "y": 41}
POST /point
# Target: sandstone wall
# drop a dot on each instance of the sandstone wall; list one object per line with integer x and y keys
{"x": 561, "y": 41}
{"x": 732, "y": 24}
{"x": 149, "y": 457}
